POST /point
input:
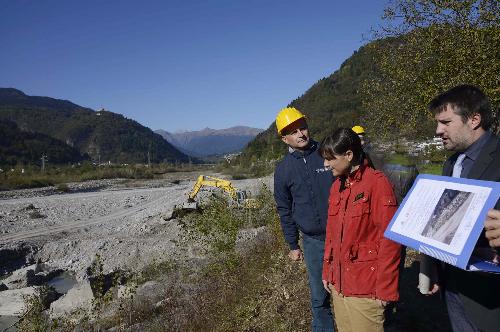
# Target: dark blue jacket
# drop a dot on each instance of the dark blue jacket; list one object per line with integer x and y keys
{"x": 301, "y": 190}
{"x": 478, "y": 292}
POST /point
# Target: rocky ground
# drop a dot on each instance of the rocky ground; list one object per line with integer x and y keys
{"x": 124, "y": 221}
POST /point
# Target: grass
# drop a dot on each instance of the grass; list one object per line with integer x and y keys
{"x": 59, "y": 176}
{"x": 259, "y": 291}
{"x": 431, "y": 168}
{"x": 265, "y": 291}
{"x": 240, "y": 171}
{"x": 401, "y": 159}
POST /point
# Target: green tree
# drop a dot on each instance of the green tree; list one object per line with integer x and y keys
{"x": 430, "y": 46}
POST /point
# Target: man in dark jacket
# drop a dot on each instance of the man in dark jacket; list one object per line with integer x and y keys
{"x": 464, "y": 119}
{"x": 301, "y": 190}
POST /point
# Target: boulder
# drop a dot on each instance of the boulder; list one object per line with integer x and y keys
{"x": 24, "y": 277}
{"x": 16, "y": 255}
{"x": 77, "y": 298}
{"x": 12, "y": 300}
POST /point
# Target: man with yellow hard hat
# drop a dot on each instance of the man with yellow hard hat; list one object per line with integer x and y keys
{"x": 365, "y": 143}
{"x": 360, "y": 131}
{"x": 301, "y": 190}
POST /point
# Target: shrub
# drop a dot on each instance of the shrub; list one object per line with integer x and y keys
{"x": 34, "y": 318}
{"x": 33, "y": 178}
{"x": 36, "y": 215}
{"x": 62, "y": 187}
{"x": 435, "y": 155}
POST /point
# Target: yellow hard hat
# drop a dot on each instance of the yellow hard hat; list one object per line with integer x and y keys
{"x": 286, "y": 117}
{"x": 358, "y": 130}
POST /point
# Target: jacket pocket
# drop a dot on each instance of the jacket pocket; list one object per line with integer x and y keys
{"x": 363, "y": 252}
{"x": 360, "y": 278}
{"x": 360, "y": 273}
{"x": 361, "y": 205}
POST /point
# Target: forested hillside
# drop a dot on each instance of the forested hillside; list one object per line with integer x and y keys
{"x": 421, "y": 50}
{"x": 20, "y": 147}
{"x": 332, "y": 102}
{"x": 103, "y": 135}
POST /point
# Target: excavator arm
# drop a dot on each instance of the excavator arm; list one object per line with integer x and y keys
{"x": 210, "y": 181}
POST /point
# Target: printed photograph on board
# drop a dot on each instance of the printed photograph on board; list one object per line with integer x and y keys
{"x": 448, "y": 215}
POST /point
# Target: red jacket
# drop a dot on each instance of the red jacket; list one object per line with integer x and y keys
{"x": 358, "y": 260}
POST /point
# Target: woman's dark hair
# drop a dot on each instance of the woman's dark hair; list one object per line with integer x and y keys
{"x": 342, "y": 140}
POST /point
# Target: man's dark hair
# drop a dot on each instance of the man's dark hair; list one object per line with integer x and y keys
{"x": 465, "y": 100}
{"x": 342, "y": 140}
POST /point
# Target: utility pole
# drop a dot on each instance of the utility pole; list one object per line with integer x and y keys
{"x": 149, "y": 154}
{"x": 44, "y": 159}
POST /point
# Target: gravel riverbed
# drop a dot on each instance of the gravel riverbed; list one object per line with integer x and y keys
{"x": 121, "y": 220}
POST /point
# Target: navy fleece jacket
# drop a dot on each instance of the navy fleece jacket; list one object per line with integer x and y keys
{"x": 301, "y": 190}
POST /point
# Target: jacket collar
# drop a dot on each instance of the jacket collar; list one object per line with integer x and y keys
{"x": 355, "y": 176}
{"x": 299, "y": 154}
{"x": 472, "y": 152}
{"x": 485, "y": 157}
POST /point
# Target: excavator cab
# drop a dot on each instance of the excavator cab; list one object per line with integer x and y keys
{"x": 241, "y": 196}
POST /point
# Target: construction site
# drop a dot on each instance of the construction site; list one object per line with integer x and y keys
{"x": 128, "y": 224}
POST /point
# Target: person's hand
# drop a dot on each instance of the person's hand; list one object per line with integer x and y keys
{"x": 382, "y": 303}
{"x": 326, "y": 286}
{"x": 435, "y": 288}
{"x": 296, "y": 255}
{"x": 492, "y": 227}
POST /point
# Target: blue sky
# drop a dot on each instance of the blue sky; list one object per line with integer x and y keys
{"x": 180, "y": 65}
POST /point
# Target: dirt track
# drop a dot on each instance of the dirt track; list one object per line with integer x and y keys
{"x": 67, "y": 223}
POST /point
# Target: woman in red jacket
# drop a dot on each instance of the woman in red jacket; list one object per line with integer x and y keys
{"x": 360, "y": 266}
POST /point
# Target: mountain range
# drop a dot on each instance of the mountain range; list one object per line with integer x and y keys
{"x": 208, "y": 142}
{"x": 99, "y": 135}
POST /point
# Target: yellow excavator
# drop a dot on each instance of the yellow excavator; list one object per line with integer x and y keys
{"x": 238, "y": 197}
{"x": 210, "y": 181}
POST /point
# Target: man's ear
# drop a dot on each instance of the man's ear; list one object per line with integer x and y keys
{"x": 475, "y": 120}
{"x": 283, "y": 138}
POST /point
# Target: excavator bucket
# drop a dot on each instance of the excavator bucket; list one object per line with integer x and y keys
{"x": 190, "y": 206}
{"x": 181, "y": 210}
